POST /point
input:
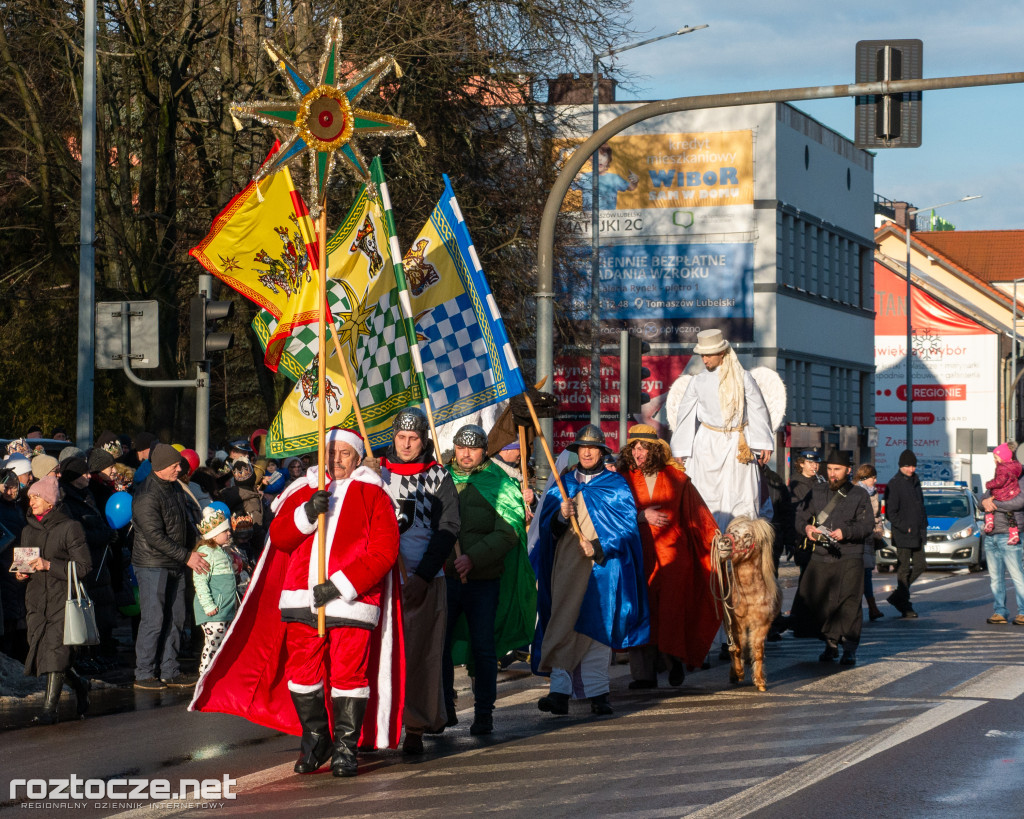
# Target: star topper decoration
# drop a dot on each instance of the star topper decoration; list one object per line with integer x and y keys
{"x": 322, "y": 119}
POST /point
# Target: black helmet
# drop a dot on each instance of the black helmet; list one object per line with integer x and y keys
{"x": 472, "y": 436}
{"x": 590, "y": 435}
{"x": 411, "y": 419}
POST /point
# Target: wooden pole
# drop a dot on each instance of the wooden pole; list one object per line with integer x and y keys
{"x": 353, "y": 398}
{"x": 321, "y": 422}
{"x": 522, "y": 465}
{"x": 433, "y": 432}
{"x": 551, "y": 461}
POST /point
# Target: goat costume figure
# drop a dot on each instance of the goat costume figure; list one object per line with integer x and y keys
{"x": 749, "y": 591}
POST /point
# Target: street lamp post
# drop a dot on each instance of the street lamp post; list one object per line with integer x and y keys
{"x": 911, "y": 213}
{"x": 595, "y": 224}
{"x": 1012, "y": 431}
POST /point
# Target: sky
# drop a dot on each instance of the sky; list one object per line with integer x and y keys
{"x": 972, "y": 138}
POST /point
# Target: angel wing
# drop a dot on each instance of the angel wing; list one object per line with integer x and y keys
{"x": 675, "y": 398}
{"x": 774, "y": 392}
{"x": 768, "y": 381}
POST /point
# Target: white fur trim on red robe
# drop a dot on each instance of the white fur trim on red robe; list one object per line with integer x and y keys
{"x": 247, "y": 678}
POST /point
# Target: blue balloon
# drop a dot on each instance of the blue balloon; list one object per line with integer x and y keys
{"x": 119, "y": 510}
{"x": 223, "y": 507}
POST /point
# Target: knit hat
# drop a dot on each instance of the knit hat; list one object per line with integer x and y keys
{"x": 144, "y": 440}
{"x": 47, "y": 489}
{"x": 100, "y": 459}
{"x": 213, "y": 523}
{"x": 70, "y": 452}
{"x": 43, "y": 465}
{"x": 73, "y": 468}
{"x": 18, "y": 464}
{"x": 1003, "y": 452}
{"x": 162, "y": 456}
{"x": 511, "y": 446}
{"x": 908, "y": 458}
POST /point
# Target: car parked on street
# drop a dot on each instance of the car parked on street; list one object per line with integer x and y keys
{"x": 954, "y": 539}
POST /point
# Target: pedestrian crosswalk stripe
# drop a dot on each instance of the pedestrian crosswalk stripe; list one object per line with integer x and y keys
{"x": 1006, "y": 683}
{"x": 864, "y": 679}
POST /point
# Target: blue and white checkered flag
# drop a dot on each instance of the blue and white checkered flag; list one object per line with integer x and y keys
{"x": 467, "y": 359}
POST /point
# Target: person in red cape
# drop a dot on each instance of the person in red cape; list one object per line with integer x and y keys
{"x": 272, "y": 653}
{"x": 676, "y": 529}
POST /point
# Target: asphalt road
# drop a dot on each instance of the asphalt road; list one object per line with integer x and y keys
{"x": 928, "y": 724}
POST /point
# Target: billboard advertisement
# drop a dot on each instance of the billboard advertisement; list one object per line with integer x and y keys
{"x": 572, "y": 386}
{"x": 670, "y": 184}
{"x": 666, "y": 292}
{"x": 954, "y": 367}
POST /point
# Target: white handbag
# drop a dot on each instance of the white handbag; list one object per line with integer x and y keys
{"x": 79, "y": 614}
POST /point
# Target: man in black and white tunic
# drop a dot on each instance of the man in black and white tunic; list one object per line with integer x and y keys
{"x": 428, "y": 519}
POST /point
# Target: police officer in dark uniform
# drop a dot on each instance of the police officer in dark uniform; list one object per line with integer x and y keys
{"x": 805, "y": 477}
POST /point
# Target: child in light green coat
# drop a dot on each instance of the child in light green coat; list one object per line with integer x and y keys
{"x": 215, "y": 601}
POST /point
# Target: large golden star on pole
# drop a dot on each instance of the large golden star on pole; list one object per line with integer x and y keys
{"x": 321, "y": 120}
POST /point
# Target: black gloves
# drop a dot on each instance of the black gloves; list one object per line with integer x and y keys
{"x": 324, "y": 593}
{"x": 316, "y": 505}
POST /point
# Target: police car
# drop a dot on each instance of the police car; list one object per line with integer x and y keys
{"x": 955, "y": 519}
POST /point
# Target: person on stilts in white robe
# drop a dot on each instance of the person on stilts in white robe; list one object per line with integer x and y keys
{"x": 723, "y": 431}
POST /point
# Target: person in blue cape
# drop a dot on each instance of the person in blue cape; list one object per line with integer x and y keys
{"x": 591, "y": 590}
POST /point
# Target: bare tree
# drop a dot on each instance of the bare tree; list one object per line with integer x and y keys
{"x": 169, "y": 159}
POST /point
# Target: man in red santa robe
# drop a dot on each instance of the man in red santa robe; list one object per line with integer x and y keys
{"x": 264, "y": 658}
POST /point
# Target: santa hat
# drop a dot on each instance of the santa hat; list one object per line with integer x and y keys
{"x": 346, "y": 436}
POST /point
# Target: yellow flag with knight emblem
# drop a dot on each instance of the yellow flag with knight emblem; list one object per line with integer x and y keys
{"x": 264, "y": 245}
{"x": 364, "y": 304}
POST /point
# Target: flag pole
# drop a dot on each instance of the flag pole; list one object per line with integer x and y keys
{"x": 522, "y": 466}
{"x": 321, "y": 446}
{"x": 403, "y": 297}
{"x": 354, "y": 399}
{"x": 551, "y": 460}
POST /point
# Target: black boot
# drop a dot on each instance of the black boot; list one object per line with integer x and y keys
{"x": 599, "y": 705}
{"x": 831, "y": 652}
{"x": 554, "y": 703}
{"x": 315, "y": 748}
{"x": 81, "y": 686}
{"x": 348, "y": 721}
{"x": 482, "y": 724}
{"x": 54, "y": 683}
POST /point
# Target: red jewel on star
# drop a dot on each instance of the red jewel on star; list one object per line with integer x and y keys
{"x": 325, "y": 119}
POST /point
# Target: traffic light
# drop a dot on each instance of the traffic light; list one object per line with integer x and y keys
{"x": 636, "y": 372}
{"x": 888, "y": 120}
{"x": 202, "y": 315}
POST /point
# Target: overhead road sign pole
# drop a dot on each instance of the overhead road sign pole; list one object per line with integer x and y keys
{"x": 546, "y": 240}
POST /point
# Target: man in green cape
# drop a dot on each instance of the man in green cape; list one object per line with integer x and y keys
{"x": 491, "y": 582}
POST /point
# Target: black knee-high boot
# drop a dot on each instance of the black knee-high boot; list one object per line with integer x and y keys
{"x": 54, "y": 682}
{"x": 348, "y": 722}
{"x": 315, "y": 748}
